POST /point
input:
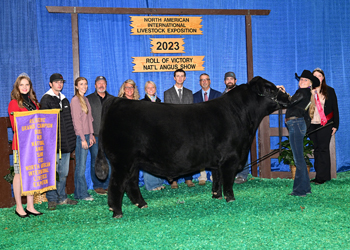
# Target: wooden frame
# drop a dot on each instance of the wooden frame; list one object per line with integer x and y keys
{"x": 264, "y": 149}
{"x": 74, "y": 11}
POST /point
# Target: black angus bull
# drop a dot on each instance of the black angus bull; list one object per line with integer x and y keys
{"x": 170, "y": 140}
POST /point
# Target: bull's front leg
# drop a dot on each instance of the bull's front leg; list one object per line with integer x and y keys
{"x": 217, "y": 184}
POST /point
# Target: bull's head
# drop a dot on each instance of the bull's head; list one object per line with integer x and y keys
{"x": 269, "y": 90}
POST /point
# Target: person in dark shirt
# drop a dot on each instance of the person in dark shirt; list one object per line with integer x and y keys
{"x": 323, "y": 114}
{"x": 96, "y": 100}
{"x": 54, "y": 99}
{"x": 297, "y": 120}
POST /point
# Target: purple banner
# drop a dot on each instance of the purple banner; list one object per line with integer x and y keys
{"x": 37, "y": 141}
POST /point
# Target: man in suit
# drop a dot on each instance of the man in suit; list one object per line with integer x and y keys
{"x": 178, "y": 94}
{"x": 203, "y": 95}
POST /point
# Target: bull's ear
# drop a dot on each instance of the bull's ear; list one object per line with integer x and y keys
{"x": 257, "y": 84}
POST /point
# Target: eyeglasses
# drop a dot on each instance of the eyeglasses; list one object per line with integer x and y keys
{"x": 202, "y": 80}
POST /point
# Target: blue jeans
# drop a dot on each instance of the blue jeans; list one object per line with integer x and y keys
{"x": 59, "y": 194}
{"x": 297, "y": 130}
{"x": 97, "y": 183}
{"x": 151, "y": 182}
{"x": 80, "y": 191}
{"x": 244, "y": 173}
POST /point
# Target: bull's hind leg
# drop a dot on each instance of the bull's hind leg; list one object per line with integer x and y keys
{"x": 228, "y": 177}
{"x": 217, "y": 183}
{"x": 133, "y": 190}
{"x": 116, "y": 191}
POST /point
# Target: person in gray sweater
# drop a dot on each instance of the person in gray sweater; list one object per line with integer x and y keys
{"x": 96, "y": 101}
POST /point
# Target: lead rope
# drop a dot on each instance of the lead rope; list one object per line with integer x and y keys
{"x": 275, "y": 151}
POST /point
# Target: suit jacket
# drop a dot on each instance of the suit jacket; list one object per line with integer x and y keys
{"x": 171, "y": 96}
{"x": 198, "y": 97}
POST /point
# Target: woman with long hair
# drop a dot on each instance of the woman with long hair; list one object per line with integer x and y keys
{"x": 324, "y": 111}
{"x": 82, "y": 121}
{"x": 23, "y": 98}
{"x": 297, "y": 120}
{"x": 129, "y": 90}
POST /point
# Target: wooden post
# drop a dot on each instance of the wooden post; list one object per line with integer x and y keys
{"x": 6, "y": 199}
{"x": 250, "y": 75}
{"x": 75, "y": 41}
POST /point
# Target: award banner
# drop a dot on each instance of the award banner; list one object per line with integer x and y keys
{"x": 166, "y": 63}
{"x": 37, "y": 149}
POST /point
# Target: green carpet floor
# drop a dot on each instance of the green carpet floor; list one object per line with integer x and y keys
{"x": 262, "y": 217}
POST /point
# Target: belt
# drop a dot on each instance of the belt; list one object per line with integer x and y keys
{"x": 291, "y": 118}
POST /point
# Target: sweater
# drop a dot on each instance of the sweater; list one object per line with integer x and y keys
{"x": 82, "y": 122}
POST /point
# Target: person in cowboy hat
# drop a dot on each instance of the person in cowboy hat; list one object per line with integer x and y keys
{"x": 297, "y": 120}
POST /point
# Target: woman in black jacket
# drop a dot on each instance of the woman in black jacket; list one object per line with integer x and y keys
{"x": 296, "y": 121}
{"x": 325, "y": 111}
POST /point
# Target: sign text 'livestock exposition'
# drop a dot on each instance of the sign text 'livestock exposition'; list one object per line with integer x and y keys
{"x": 169, "y": 25}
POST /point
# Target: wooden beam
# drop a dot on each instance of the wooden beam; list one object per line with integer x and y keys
{"x": 288, "y": 175}
{"x": 153, "y": 11}
{"x": 249, "y": 46}
{"x": 75, "y": 42}
{"x": 250, "y": 75}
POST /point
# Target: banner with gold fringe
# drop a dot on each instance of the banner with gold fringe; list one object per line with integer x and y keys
{"x": 37, "y": 147}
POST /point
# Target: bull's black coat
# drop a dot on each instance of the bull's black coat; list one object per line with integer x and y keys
{"x": 170, "y": 140}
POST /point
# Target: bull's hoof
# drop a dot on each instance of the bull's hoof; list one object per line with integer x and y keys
{"x": 230, "y": 199}
{"x": 216, "y": 196}
{"x": 117, "y": 216}
{"x": 141, "y": 206}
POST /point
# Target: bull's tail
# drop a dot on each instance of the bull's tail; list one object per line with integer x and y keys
{"x": 101, "y": 163}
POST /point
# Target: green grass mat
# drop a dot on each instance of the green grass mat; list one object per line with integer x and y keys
{"x": 263, "y": 216}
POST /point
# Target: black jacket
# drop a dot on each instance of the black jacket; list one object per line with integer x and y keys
{"x": 68, "y": 137}
{"x": 147, "y": 99}
{"x": 96, "y": 109}
{"x": 297, "y": 109}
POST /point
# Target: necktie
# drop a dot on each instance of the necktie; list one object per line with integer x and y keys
{"x": 205, "y": 96}
{"x": 180, "y": 94}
